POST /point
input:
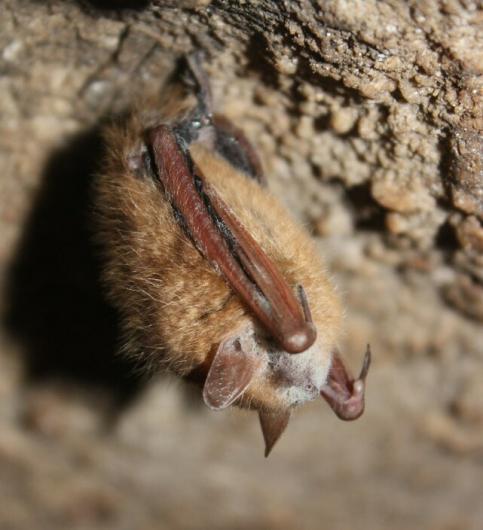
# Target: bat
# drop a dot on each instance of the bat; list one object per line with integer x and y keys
{"x": 213, "y": 279}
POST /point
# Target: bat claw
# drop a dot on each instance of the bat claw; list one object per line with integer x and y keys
{"x": 366, "y": 363}
{"x": 344, "y": 394}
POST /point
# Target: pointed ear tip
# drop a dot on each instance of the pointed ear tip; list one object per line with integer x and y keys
{"x": 269, "y": 445}
{"x": 273, "y": 426}
{"x": 268, "y": 448}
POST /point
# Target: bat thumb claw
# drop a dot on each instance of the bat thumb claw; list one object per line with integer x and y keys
{"x": 365, "y": 364}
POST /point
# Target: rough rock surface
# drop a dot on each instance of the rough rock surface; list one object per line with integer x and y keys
{"x": 368, "y": 117}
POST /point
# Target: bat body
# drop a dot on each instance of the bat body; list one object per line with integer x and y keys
{"x": 213, "y": 278}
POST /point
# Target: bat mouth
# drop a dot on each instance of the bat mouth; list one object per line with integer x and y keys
{"x": 343, "y": 393}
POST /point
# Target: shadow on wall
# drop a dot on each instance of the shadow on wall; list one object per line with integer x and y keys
{"x": 56, "y": 308}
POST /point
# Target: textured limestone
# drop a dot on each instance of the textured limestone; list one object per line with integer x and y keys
{"x": 367, "y": 116}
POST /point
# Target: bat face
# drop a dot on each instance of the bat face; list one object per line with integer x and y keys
{"x": 213, "y": 278}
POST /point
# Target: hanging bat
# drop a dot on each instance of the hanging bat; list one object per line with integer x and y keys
{"x": 213, "y": 278}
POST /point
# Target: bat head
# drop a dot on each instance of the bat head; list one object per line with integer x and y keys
{"x": 251, "y": 370}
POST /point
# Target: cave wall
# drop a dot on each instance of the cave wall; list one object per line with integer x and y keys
{"x": 367, "y": 117}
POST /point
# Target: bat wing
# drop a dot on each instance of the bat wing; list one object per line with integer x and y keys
{"x": 244, "y": 264}
{"x": 233, "y": 146}
{"x": 226, "y": 139}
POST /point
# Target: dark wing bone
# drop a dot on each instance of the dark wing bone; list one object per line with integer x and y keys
{"x": 249, "y": 272}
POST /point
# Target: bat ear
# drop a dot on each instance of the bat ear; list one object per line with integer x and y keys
{"x": 273, "y": 424}
{"x": 230, "y": 373}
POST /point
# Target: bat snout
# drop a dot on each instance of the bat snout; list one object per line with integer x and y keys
{"x": 300, "y": 378}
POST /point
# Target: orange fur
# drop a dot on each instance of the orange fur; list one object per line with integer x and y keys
{"x": 176, "y": 309}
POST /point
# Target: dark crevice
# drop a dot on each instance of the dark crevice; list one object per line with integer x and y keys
{"x": 367, "y": 214}
{"x": 258, "y": 54}
{"x": 446, "y": 162}
{"x": 322, "y": 123}
{"x": 113, "y": 5}
{"x": 446, "y": 239}
{"x": 329, "y": 85}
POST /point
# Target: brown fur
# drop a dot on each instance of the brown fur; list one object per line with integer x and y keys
{"x": 176, "y": 309}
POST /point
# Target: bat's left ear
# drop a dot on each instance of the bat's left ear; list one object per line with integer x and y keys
{"x": 230, "y": 373}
